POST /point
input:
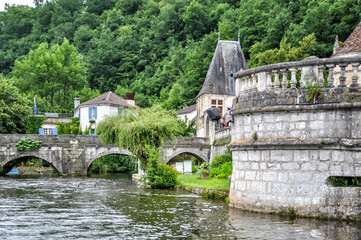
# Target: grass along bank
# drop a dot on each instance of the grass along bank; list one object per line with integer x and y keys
{"x": 195, "y": 181}
{"x": 212, "y": 188}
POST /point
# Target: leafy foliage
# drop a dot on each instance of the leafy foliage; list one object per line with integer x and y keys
{"x": 34, "y": 123}
{"x": 13, "y": 108}
{"x": 223, "y": 171}
{"x": 160, "y": 175}
{"x": 71, "y": 128}
{"x": 139, "y": 128}
{"x": 221, "y": 159}
{"x": 160, "y": 50}
{"x": 203, "y": 168}
{"x": 186, "y": 130}
{"x": 345, "y": 181}
{"x": 27, "y": 143}
{"x": 52, "y": 73}
{"x": 314, "y": 92}
{"x": 111, "y": 164}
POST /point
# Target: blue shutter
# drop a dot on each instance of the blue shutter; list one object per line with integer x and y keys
{"x": 125, "y": 112}
{"x": 90, "y": 113}
{"x": 79, "y": 114}
{"x": 95, "y": 112}
{"x": 41, "y": 131}
{"x": 118, "y": 110}
{"x": 55, "y": 131}
{"x": 90, "y": 131}
{"x": 95, "y": 131}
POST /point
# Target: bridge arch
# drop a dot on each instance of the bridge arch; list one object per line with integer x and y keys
{"x": 197, "y": 154}
{"x": 8, "y": 164}
{"x": 106, "y": 152}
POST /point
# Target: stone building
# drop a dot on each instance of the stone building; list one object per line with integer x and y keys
{"x": 91, "y": 112}
{"x": 219, "y": 88}
{"x": 351, "y": 48}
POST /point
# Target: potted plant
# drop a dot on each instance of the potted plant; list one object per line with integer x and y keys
{"x": 204, "y": 170}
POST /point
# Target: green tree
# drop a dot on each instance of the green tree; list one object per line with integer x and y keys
{"x": 196, "y": 20}
{"x": 138, "y": 129}
{"x": 14, "y": 108}
{"x": 52, "y": 73}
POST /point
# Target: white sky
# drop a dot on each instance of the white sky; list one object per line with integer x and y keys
{"x": 17, "y": 2}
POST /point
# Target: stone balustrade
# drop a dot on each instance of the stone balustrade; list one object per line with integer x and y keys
{"x": 342, "y": 73}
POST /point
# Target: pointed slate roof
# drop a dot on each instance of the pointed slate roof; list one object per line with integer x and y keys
{"x": 227, "y": 60}
{"x": 352, "y": 43}
{"x": 108, "y": 98}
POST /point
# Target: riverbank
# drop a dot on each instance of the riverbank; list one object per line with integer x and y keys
{"x": 213, "y": 188}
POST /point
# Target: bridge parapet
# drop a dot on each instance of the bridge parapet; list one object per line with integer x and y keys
{"x": 285, "y": 83}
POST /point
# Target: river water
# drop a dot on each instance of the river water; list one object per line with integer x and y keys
{"x": 115, "y": 208}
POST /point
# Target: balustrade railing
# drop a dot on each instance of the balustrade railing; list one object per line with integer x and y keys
{"x": 339, "y": 73}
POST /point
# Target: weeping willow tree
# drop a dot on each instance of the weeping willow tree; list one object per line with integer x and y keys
{"x": 136, "y": 129}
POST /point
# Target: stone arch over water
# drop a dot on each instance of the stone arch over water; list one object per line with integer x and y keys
{"x": 8, "y": 164}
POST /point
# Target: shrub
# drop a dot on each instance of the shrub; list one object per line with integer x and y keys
{"x": 222, "y": 171}
{"x": 160, "y": 175}
{"x": 204, "y": 168}
{"x": 221, "y": 159}
{"x": 27, "y": 143}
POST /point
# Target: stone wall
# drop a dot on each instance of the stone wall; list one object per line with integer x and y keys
{"x": 221, "y": 140}
{"x": 284, "y": 155}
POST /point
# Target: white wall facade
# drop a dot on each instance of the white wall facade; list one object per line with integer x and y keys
{"x": 101, "y": 113}
{"x": 186, "y": 117}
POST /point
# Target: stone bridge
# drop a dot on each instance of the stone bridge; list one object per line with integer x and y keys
{"x": 73, "y": 154}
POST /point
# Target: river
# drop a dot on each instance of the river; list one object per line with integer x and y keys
{"x": 115, "y": 208}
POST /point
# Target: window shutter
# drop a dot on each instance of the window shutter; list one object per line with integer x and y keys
{"x": 90, "y": 113}
{"x": 90, "y": 131}
{"x": 95, "y": 131}
{"x": 55, "y": 131}
{"x": 41, "y": 131}
{"x": 79, "y": 114}
{"x": 95, "y": 112}
{"x": 118, "y": 110}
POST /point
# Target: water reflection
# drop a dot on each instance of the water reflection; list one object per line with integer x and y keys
{"x": 110, "y": 208}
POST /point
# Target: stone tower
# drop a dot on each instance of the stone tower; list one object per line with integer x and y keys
{"x": 219, "y": 86}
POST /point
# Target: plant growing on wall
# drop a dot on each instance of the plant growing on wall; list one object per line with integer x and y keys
{"x": 69, "y": 128}
{"x": 33, "y": 124}
{"x": 27, "y": 143}
{"x": 313, "y": 92}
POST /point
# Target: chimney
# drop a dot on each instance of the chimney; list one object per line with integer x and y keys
{"x": 130, "y": 98}
{"x": 76, "y": 101}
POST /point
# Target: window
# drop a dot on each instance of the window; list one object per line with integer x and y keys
{"x": 214, "y": 102}
{"x": 220, "y": 102}
{"x": 48, "y": 131}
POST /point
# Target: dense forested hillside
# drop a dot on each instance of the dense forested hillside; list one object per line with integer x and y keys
{"x": 159, "y": 49}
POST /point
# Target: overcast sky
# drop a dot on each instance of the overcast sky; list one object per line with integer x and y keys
{"x": 17, "y": 2}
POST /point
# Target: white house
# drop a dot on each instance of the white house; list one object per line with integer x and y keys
{"x": 187, "y": 113}
{"x": 91, "y": 112}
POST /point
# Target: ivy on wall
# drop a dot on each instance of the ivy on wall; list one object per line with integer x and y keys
{"x": 33, "y": 124}
{"x": 27, "y": 143}
{"x": 69, "y": 128}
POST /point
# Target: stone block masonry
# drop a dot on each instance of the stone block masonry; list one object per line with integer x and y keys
{"x": 295, "y": 151}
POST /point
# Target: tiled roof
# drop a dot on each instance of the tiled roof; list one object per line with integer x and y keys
{"x": 353, "y": 42}
{"x": 228, "y": 59}
{"x": 108, "y": 98}
{"x": 187, "y": 109}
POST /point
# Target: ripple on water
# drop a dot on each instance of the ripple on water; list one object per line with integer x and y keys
{"x": 96, "y": 208}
